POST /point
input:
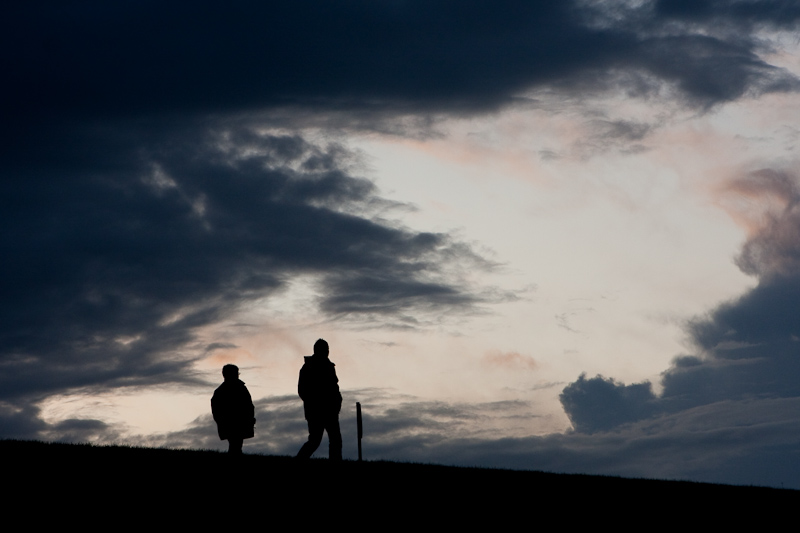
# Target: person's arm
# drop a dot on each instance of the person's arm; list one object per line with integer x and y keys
{"x": 252, "y": 407}
{"x": 302, "y": 385}
{"x": 338, "y": 392}
{"x": 214, "y": 408}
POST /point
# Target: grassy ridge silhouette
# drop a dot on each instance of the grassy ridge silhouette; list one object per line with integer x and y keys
{"x": 145, "y": 487}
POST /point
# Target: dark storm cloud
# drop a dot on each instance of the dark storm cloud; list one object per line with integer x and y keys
{"x": 780, "y": 13}
{"x": 610, "y": 405}
{"x": 22, "y": 422}
{"x": 25, "y": 422}
{"x": 747, "y": 348}
{"x": 739, "y": 393}
{"x": 121, "y": 245}
{"x": 95, "y": 59}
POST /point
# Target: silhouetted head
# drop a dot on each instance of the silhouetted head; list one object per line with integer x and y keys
{"x": 321, "y": 348}
{"x": 230, "y": 372}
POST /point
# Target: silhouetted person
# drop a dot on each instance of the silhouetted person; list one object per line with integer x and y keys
{"x": 319, "y": 389}
{"x": 233, "y": 410}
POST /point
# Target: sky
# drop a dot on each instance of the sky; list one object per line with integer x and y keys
{"x": 559, "y": 236}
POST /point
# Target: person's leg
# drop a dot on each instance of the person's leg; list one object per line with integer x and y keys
{"x": 315, "y": 429}
{"x": 334, "y": 438}
{"x": 235, "y": 446}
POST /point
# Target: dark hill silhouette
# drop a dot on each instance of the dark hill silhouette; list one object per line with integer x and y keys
{"x": 114, "y": 486}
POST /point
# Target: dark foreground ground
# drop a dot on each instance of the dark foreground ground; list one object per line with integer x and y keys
{"x": 113, "y": 488}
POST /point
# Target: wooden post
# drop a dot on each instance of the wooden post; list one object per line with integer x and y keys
{"x": 360, "y": 428}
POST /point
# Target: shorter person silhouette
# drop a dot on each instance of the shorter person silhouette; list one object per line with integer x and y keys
{"x": 233, "y": 410}
{"x": 318, "y": 387}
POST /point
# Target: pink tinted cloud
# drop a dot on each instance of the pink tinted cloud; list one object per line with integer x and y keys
{"x": 767, "y": 204}
{"x": 509, "y": 360}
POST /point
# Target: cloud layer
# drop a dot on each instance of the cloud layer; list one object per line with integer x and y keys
{"x": 97, "y": 60}
{"x": 119, "y": 252}
{"x": 748, "y": 442}
{"x": 741, "y": 384}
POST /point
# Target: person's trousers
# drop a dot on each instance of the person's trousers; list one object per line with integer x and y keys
{"x": 316, "y": 426}
{"x": 235, "y": 446}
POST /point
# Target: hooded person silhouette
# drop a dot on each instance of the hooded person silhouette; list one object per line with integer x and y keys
{"x": 233, "y": 410}
{"x": 318, "y": 387}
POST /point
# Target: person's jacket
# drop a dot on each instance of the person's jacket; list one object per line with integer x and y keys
{"x": 318, "y": 387}
{"x": 233, "y": 410}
